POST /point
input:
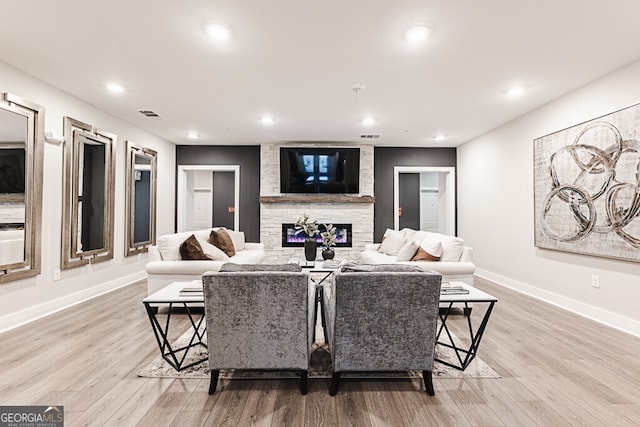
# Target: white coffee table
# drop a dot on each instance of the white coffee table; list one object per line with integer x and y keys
{"x": 171, "y": 296}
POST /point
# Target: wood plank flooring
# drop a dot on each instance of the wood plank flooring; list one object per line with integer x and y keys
{"x": 558, "y": 369}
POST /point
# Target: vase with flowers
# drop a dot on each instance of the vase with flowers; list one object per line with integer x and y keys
{"x": 310, "y": 229}
{"x": 328, "y": 241}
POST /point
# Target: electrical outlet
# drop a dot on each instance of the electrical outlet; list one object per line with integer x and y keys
{"x": 595, "y": 280}
{"x": 56, "y": 274}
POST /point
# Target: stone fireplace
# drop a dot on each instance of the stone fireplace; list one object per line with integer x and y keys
{"x": 277, "y": 209}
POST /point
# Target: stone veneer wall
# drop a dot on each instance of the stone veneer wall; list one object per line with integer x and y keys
{"x": 273, "y": 215}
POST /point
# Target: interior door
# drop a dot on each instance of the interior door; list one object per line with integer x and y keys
{"x": 430, "y": 210}
{"x": 409, "y": 198}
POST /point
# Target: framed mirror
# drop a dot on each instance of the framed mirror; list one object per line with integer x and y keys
{"x": 89, "y": 194}
{"x": 21, "y": 156}
{"x": 141, "y": 199}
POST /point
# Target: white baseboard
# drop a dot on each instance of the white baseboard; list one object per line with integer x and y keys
{"x": 22, "y": 317}
{"x": 609, "y": 318}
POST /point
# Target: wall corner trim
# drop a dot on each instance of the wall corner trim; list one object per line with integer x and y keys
{"x": 608, "y": 318}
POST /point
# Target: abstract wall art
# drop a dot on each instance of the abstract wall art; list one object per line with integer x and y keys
{"x": 587, "y": 187}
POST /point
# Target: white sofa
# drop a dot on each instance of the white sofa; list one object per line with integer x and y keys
{"x": 456, "y": 263}
{"x": 167, "y": 266}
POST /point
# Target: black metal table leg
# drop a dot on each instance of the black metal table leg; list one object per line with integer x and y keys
{"x": 167, "y": 351}
{"x": 464, "y": 355}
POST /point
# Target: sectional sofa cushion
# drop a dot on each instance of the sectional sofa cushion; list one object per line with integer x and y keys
{"x": 451, "y": 248}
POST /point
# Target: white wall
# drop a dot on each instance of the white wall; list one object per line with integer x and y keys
{"x": 26, "y": 299}
{"x": 496, "y": 214}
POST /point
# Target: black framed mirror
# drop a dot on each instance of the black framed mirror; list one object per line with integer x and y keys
{"x": 21, "y": 157}
{"x": 89, "y": 194}
{"x": 141, "y": 178}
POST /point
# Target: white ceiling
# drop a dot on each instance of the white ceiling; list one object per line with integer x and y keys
{"x": 297, "y": 59}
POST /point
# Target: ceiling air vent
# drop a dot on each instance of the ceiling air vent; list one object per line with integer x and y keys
{"x": 149, "y": 113}
{"x": 370, "y": 136}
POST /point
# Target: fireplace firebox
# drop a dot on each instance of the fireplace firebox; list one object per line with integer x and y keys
{"x": 291, "y": 239}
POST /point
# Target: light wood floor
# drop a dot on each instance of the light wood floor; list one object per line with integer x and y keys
{"x": 557, "y": 368}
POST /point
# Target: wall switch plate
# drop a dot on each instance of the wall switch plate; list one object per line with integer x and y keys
{"x": 595, "y": 281}
{"x": 56, "y": 274}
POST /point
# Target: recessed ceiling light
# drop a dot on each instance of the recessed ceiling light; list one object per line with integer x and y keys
{"x": 440, "y": 137}
{"x": 266, "y": 120}
{"x": 516, "y": 91}
{"x": 368, "y": 121}
{"x": 417, "y": 33}
{"x": 218, "y": 32}
{"x": 115, "y": 88}
{"x": 193, "y": 135}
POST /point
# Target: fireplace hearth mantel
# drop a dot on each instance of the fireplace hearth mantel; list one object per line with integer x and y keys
{"x": 316, "y": 198}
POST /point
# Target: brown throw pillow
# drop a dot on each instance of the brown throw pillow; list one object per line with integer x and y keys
{"x": 221, "y": 239}
{"x": 190, "y": 249}
{"x": 422, "y": 255}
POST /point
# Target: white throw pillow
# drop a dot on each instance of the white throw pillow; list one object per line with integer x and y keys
{"x": 391, "y": 243}
{"x": 407, "y": 251}
{"x": 215, "y": 253}
{"x": 389, "y": 231}
{"x": 451, "y": 248}
{"x": 238, "y": 239}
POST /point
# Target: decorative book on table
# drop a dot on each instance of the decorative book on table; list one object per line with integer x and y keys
{"x": 191, "y": 288}
{"x": 332, "y": 263}
{"x": 452, "y": 288}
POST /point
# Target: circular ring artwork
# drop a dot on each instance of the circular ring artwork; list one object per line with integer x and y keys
{"x": 587, "y": 187}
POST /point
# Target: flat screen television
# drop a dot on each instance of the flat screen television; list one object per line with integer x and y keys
{"x": 320, "y": 170}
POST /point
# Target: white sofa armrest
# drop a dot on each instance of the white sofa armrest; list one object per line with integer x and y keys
{"x": 253, "y": 246}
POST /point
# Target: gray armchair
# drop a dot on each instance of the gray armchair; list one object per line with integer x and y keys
{"x": 257, "y": 320}
{"x": 382, "y": 321}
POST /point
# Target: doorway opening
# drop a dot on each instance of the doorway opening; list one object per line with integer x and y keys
{"x": 424, "y": 198}
{"x": 208, "y": 196}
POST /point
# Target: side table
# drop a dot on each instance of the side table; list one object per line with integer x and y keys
{"x": 464, "y": 354}
{"x": 170, "y": 296}
{"x": 324, "y": 273}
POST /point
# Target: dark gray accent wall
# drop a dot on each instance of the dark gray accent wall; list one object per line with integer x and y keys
{"x": 248, "y": 157}
{"x": 385, "y": 158}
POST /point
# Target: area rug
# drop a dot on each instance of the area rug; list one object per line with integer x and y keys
{"x": 320, "y": 367}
